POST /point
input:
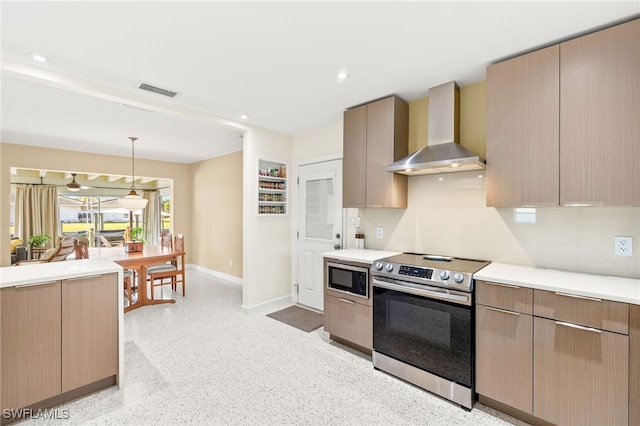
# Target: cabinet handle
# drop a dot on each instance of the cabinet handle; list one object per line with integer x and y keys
{"x": 502, "y": 285}
{"x": 84, "y": 277}
{"x": 35, "y": 284}
{"x": 579, "y": 327}
{"x": 351, "y": 302}
{"x": 575, "y": 296}
{"x": 502, "y": 310}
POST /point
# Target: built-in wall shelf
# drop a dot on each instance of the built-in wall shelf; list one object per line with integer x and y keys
{"x": 272, "y": 187}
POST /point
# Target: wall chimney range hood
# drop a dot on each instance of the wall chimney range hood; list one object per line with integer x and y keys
{"x": 443, "y": 153}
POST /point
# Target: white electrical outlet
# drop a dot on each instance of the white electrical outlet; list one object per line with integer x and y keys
{"x": 379, "y": 232}
{"x": 623, "y": 246}
{"x": 231, "y": 263}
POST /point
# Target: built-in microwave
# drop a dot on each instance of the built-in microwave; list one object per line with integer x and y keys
{"x": 348, "y": 279}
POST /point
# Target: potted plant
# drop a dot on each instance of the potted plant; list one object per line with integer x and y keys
{"x": 137, "y": 234}
{"x": 39, "y": 240}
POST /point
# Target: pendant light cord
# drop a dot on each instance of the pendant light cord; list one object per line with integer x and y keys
{"x": 133, "y": 182}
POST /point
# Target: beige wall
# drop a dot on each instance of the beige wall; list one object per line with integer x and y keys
{"x": 12, "y": 155}
{"x": 217, "y": 204}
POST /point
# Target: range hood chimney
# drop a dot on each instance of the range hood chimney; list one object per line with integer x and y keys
{"x": 443, "y": 153}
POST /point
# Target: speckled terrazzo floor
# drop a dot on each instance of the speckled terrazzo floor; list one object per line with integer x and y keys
{"x": 203, "y": 362}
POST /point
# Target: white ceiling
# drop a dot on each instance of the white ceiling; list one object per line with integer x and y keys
{"x": 275, "y": 61}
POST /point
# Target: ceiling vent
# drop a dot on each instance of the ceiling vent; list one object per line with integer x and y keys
{"x": 158, "y": 90}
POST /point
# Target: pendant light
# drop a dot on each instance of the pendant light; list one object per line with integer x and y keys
{"x": 132, "y": 201}
{"x": 73, "y": 186}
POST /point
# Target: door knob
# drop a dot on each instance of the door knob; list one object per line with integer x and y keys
{"x": 338, "y": 235}
{"x": 337, "y": 246}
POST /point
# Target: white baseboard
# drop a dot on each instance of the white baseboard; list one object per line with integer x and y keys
{"x": 267, "y": 306}
{"x": 249, "y": 310}
{"x": 217, "y": 274}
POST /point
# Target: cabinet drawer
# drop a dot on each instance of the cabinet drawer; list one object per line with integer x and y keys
{"x": 504, "y": 296}
{"x": 348, "y": 320}
{"x": 504, "y": 357}
{"x": 590, "y": 312}
{"x": 580, "y": 375}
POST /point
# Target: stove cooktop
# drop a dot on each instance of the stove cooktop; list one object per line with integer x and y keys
{"x": 427, "y": 269}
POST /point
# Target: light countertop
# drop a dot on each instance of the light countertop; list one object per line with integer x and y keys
{"x": 40, "y": 272}
{"x": 359, "y": 255}
{"x": 617, "y": 289}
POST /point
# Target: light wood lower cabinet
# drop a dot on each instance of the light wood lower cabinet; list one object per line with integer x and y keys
{"x": 504, "y": 356}
{"x": 581, "y": 375}
{"x": 57, "y": 337}
{"x": 89, "y": 330}
{"x": 349, "y": 320}
{"x": 30, "y": 363}
{"x": 568, "y": 363}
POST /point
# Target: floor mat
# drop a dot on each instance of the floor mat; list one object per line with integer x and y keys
{"x": 299, "y": 317}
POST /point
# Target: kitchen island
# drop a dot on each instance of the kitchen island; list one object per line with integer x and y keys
{"x": 61, "y": 333}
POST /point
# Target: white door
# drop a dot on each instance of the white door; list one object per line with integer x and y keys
{"x": 319, "y": 225}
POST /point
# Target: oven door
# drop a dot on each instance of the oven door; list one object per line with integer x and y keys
{"x": 431, "y": 330}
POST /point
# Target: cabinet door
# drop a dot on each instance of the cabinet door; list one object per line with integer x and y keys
{"x": 354, "y": 169}
{"x": 504, "y": 357}
{"x": 581, "y": 376}
{"x": 30, "y": 332}
{"x": 522, "y": 130}
{"x": 387, "y": 141}
{"x": 89, "y": 330}
{"x": 348, "y": 320}
{"x": 599, "y": 117}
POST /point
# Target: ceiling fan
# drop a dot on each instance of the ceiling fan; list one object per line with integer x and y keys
{"x": 74, "y": 186}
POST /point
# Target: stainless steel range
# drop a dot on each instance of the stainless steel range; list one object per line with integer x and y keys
{"x": 423, "y": 322}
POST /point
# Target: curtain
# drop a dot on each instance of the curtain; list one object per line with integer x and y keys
{"x": 152, "y": 218}
{"x": 36, "y": 211}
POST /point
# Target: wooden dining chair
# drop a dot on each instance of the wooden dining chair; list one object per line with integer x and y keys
{"x": 167, "y": 273}
{"x": 81, "y": 249}
{"x": 105, "y": 242}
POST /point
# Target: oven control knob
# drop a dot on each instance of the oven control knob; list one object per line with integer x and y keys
{"x": 389, "y": 267}
{"x": 444, "y": 275}
{"x": 378, "y": 265}
{"x": 458, "y": 277}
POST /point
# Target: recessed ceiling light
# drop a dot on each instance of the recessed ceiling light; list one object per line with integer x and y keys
{"x": 244, "y": 117}
{"x": 38, "y": 58}
{"x": 342, "y": 75}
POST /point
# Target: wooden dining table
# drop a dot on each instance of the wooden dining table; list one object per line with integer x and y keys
{"x": 140, "y": 261}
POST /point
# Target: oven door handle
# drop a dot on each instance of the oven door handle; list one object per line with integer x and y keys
{"x": 432, "y": 294}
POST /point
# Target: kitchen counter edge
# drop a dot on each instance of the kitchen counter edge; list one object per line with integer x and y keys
{"x": 617, "y": 289}
{"x": 359, "y": 255}
{"x": 11, "y": 276}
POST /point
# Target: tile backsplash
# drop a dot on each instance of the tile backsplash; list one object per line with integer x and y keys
{"x": 447, "y": 215}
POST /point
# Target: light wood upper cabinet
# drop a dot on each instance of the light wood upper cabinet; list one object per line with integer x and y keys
{"x": 89, "y": 330}
{"x": 600, "y": 117}
{"x": 562, "y": 123}
{"x": 354, "y": 157}
{"x": 522, "y": 130}
{"x": 31, "y": 349}
{"x": 375, "y": 135}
